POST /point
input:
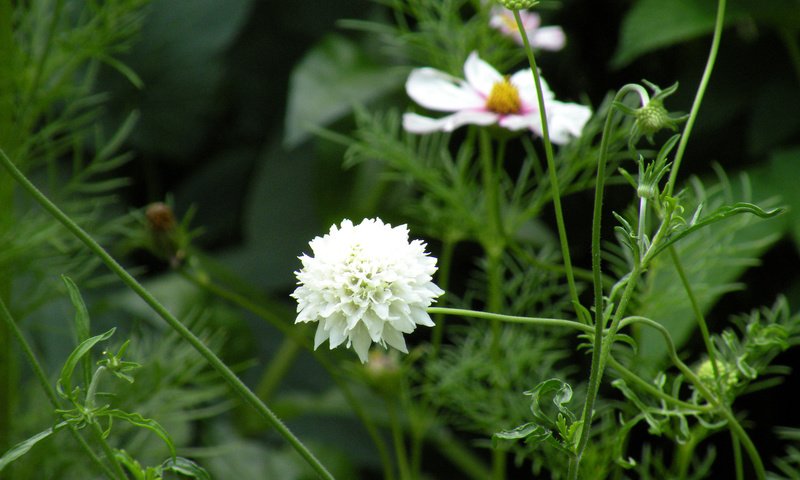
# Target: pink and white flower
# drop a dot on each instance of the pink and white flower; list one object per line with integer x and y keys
{"x": 545, "y": 38}
{"x": 488, "y": 98}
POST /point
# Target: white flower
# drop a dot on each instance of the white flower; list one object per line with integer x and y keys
{"x": 366, "y": 283}
{"x": 488, "y": 98}
{"x": 546, "y": 38}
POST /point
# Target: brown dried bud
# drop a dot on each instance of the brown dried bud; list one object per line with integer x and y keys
{"x": 160, "y": 217}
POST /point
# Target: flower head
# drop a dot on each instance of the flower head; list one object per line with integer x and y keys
{"x": 546, "y": 38}
{"x": 366, "y": 283}
{"x": 488, "y": 98}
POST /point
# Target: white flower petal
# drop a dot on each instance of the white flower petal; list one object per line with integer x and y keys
{"x": 530, "y": 121}
{"x": 523, "y": 80}
{"x": 437, "y": 90}
{"x": 366, "y": 283}
{"x": 480, "y": 75}
{"x": 566, "y": 121}
{"x": 419, "y": 124}
{"x": 395, "y": 339}
{"x": 548, "y": 38}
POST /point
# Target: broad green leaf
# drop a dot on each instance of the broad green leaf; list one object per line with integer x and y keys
{"x": 779, "y": 177}
{"x": 654, "y": 24}
{"x": 332, "y": 78}
{"x": 713, "y": 258}
{"x": 64, "y": 384}
{"x": 23, "y": 447}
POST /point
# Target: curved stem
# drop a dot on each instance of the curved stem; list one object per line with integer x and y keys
{"x": 551, "y": 322}
{"x": 213, "y": 360}
{"x": 698, "y": 98}
{"x": 553, "y": 173}
{"x": 698, "y": 313}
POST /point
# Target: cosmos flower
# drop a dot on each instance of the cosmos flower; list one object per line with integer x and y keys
{"x": 366, "y": 283}
{"x": 488, "y": 98}
{"x": 545, "y": 38}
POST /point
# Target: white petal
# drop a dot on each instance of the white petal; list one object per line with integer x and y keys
{"x": 361, "y": 342}
{"x": 421, "y": 317}
{"x": 320, "y": 336}
{"x": 418, "y": 124}
{"x": 548, "y": 38}
{"x": 395, "y": 339}
{"x": 523, "y": 80}
{"x": 567, "y": 121}
{"x": 480, "y": 75}
{"x": 530, "y": 121}
{"x": 439, "y": 91}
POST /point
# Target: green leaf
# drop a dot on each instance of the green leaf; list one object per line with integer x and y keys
{"x": 82, "y": 324}
{"x": 64, "y": 384}
{"x": 142, "y": 422}
{"x": 779, "y": 177}
{"x": 333, "y": 77}
{"x": 23, "y": 447}
{"x": 654, "y": 24}
{"x": 185, "y": 467}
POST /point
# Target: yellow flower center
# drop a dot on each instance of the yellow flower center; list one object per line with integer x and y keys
{"x": 504, "y": 98}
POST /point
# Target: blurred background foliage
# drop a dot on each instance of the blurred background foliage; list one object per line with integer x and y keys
{"x": 231, "y": 94}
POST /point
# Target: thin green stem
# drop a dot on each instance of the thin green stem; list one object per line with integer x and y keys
{"x": 551, "y": 167}
{"x": 459, "y": 455}
{"x": 91, "y": 391}
{"x": 213, "y": 360}
{"x": 698, "y": 313}
{"x": 499, "y": 460}
{"x": 279, "y": 366}
{"x": 649, "y": 388}
{"x": 48, "y": 389}
{"x": 398, "y": 440}
{"x": 698, "y": 98}
{"x": 445, "y": 264}
{"x": 737, "y": 457}
{"x": 97, "y": 432}
{"x": 549, "y": 322}
{"x": 724, "y": 410}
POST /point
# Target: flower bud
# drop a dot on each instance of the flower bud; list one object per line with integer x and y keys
{"x": 654, "y": 117}
{"x": 518, "y": 4}
{"x": 728, "y": 374}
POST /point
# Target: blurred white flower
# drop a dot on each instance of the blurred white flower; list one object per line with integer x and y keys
{"x": 545, "y": 38}
{"x": 366, "y": 283}
{"x": 488, "y": 98}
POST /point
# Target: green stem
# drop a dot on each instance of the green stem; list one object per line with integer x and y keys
{"x": 399, "y": 440}
{"x": 553, "y": 173}
{"x": 97, "y": 432}
{"x": 649, "y": 388}
{"x": 91, "y": 391}
{"x": 698, "y": 98}
{"x": 733, "y": 423}
{"x": 737, "y": 457}
{"x": 213, "y": 360}
{"x": 499, "y": 458}
{"x": 445, "y": 264}
{"x": 278, "y": 367}
{"x": 459, "y": 455}
{"x": 698, "y": 313}
{"x": 550, "y": 322}
{"x": 45, "y": 384}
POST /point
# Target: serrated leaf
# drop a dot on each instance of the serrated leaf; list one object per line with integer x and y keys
{"x": 333, "y": 77}
{"x": 64, "y": 384}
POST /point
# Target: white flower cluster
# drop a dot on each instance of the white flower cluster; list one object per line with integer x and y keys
{"x": 366, "y": 283}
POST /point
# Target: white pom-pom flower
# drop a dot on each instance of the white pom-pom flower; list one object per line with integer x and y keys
{"x": 366, "y": 283}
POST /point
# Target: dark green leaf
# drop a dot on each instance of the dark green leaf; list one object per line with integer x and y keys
{"x": 82, "y": 324}
{"x": 329, "y": 81}
{"x": 140, "y": 421}
{"x": 23, "y": 447}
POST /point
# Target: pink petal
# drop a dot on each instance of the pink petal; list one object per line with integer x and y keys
{"x": 480, "y": 75}
{"x": 419, "y": 124}
{"x": 439, "y": 91}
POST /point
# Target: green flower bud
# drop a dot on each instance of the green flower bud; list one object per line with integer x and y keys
{"x": 654, "y": 117}
{"x": 728, "y": 374}
{"x": 518, "y": 4}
